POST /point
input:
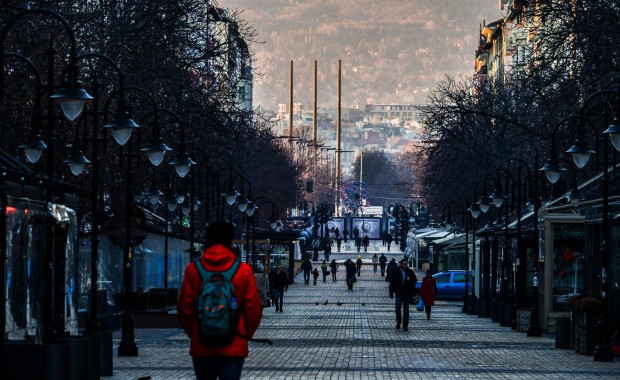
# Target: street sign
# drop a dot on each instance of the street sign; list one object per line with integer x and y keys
{"x": 372, "y": 210}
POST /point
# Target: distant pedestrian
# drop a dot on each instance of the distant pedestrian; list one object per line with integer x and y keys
{"x": 225, "y": 362}
{"x": 345, "y": 233}
{"x": 315, "y": 274}
{"x": 428, "y": 291}
{"x": 402, "y": 285}
{"x": 333, "y": 266}
{"x": 306, "y": 265}
{"x": 350, "y": 268}
{"x": 382, "y": 263}
{"x": 391, "y": 268}
{"x": 262, "y": 284}
{"x": 375, "y": 262}
{"x": 358, "y": 264}
{"x": 278, "y": 281}
{"x": 358, "y": 243}
{"x": 316, "y": 244}
{"x": 365, "y": 242}
{"x": 388, "y": 240}
{"x": 327, "y": 250}
{"x": 356, "y": 232}
{"x": 338, "y": 242}
{"x": 383, "y": 235}
{"x": 324, "y": 270}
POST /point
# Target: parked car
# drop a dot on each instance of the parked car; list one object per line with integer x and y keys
{"x": 451, "y": 284}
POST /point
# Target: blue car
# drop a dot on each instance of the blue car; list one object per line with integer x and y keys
{"x": 451, "y": 284}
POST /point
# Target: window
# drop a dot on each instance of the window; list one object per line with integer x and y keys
{"x": 568, "y": 263}
{"x": 459, "y": 277}
{"x": 443, "y": 279}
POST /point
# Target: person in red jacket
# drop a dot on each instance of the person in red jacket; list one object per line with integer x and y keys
{"x": 428, "y": 290}
{"x": 222, "y": 362}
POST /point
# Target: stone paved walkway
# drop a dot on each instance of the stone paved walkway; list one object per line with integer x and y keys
{"x": 328, "y": 332}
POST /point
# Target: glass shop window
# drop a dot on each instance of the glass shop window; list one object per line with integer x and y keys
{"x": 568, "y": 263}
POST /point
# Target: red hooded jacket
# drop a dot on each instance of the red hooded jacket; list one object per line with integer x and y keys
{"x": 219, "y": 258}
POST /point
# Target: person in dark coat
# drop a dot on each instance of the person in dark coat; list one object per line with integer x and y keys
{"x": 338, "y": 242}
{"x": 327, "y": 250}
{"x": 333, "y": 266}
{"x": 391, "y": 268}
{"x": 382, "y": 263}
{"x": 278, "y": 282}
{"x": 428, "y": 290}
{"x": 356, "y": 232}
{"x": 350, "y": 268}
{"x": 388, "y": 240}
{"x": 345, "y": 233}
{"x": 402, "y": 285}
{"x": 365, "y": 242}
{"x": 307, "y": 267}
{"x": 358, "y": 243}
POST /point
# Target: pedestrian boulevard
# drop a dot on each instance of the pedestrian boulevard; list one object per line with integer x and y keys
{"x": 328, "y": 332}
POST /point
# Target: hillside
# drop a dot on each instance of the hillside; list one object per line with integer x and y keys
{"x": 391, "y": 50}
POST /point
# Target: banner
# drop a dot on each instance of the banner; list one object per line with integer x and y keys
{"x": 368, "y": 226}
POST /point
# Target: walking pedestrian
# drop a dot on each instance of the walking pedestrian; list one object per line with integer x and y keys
{"x": 345, "y": 233}
{"x": 225, "y": 362}
{"x": 324, "y": 270}
{"x": 383, "y": 235}
{"x": 262, "y": 284}
{"x": 338, "y": 242}
{"x": 358, "y": 264}
{"x": 316, "y": 244}
{"x": 350, "y": 268}
{"x": 307, "y": 268}
{"x": 333, "y": 266}
{"x": 402, "y": 285}
{"x": 375, "y": 262}
{"x": 327, "y": 250}
{"x": 382, "y": 263}
{"x": 315, "y": 274}
{"x": 428, "y": 290}
{"x": 391, "y": 268}
{"x": 366, "y": 241}
{"x": 278, "y": 281}
{"x": 356, "y": 232}
{"x": 388, "y": 240}
{"x": 358, "y": 243}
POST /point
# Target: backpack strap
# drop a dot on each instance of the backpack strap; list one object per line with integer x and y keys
{"x": 206, "y": 275}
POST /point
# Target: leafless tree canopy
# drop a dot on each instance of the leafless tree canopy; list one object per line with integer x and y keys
{"x": 172, "y": 55}
{"x": 471, "y": 127}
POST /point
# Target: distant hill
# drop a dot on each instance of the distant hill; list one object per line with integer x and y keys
{"x": 391, "y": 50}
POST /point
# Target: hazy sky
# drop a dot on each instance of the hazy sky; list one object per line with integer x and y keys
{"x": 391, "y": 50}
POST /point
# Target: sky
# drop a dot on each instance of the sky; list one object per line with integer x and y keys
{"x": 390, "y": 50}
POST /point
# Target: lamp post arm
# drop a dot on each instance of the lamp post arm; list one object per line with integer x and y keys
{"x": 9, "y": 24}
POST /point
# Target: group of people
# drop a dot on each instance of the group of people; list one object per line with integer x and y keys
{"x": 402, "y": 289}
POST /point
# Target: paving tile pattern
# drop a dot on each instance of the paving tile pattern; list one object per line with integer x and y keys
{"x": 328, "y": 332}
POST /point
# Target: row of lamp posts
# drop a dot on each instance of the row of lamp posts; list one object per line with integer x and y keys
{"x": 527, "y": 193}
{"x": 72, "y": 99}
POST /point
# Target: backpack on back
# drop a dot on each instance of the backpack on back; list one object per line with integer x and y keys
{"x": 217, "y": 306}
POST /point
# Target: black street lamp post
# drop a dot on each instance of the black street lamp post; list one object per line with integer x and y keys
{"x": 127, "y": 345}
{"x": 77, "y": 162}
